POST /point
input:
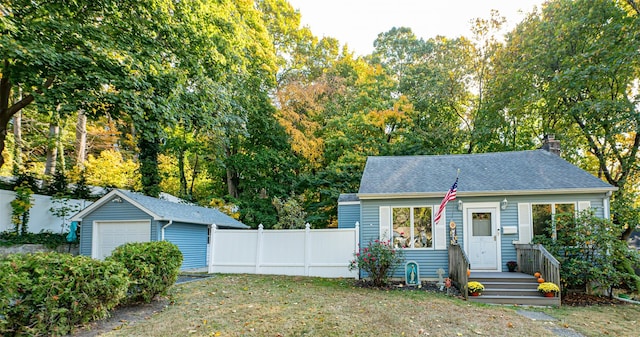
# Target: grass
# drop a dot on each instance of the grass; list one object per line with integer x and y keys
{"x": 258, "y": 305}
{"x": 603, "y": 320}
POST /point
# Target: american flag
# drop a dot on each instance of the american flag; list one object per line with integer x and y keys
{"x": 451, "y": 195}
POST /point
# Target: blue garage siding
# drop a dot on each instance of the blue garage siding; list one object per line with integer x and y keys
{"x": 348, "y": 215}
{"x": 110, "y": 211}
{"x": 192, "y": 241}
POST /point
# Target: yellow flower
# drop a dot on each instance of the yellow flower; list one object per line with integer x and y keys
{"x": 475, "y": 287}
{"x": 548, "y": 287}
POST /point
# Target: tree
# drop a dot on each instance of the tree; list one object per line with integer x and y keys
{"x": 48, "y": 52}
{"x": 570, "y": 69}
{"x": 591, "y": 253}
{"x": 21, "y": 206}
{"x": 291, "y": 214}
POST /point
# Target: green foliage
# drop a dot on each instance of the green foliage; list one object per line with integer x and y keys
{"x": 20, "y": 208}
{"x": 591, "y": 253}
{"x": 63, "y": 208}
{"x": 50, "y": 293}
{"x": 378, "y": 259}
{"x": 47, "y": 239}
{"x": 59, "y": 185}
{"x": 81, "y": 190}
{"x": 570, "y": 68}
{"x": 291, "y": 215}
{"x": 153, "y": 268}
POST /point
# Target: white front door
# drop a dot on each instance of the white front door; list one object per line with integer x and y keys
{"x": 482, "y": 237}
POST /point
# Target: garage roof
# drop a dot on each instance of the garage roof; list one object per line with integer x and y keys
{"x": 164, "y": 210}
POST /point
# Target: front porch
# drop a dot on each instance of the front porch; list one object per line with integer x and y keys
{"x": 508, "y": 287}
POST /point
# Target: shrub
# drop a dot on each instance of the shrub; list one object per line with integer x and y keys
{"x": 153, "y": 268}
{"x": 47, "y": 239}
{"x": 591, "y": 253}
{"x": 377, "y": 260}
{"x": 50, "y": 293}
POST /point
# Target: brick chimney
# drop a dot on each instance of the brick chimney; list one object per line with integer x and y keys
{"x": 550, "y": 144}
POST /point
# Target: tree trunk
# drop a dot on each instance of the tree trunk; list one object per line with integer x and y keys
{"x": 5, "y": 90}
{"x": 17, "y": 146}
{"x": 183, "y": 176}
{"x": 17, "y": 137}
{"x": 81, "y": 139}
{"x": 232, "y": 176}
{"x": 52, "y": 150}
{"x": 6, "y": 111}
{"x": 194, "y": 174}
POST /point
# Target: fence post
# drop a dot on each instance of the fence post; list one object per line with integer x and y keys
{"x": 356, "y": 245}
{"x": 212, "y": 244}
{"x": 259, "y": 247}
{"x": 307, "y": 248}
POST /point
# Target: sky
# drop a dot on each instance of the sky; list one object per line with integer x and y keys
{"x": 358, "y": 22}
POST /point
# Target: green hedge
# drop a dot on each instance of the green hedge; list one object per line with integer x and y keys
{"x": 153, "y": 268}
{"x": 50, "y": 293}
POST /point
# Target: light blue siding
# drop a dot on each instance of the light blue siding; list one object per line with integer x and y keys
{"x": 192, "y": 241}
{"x": 348, "y": 215}
{"x": 116, "y": 211}
{"x": 431, "y": 260}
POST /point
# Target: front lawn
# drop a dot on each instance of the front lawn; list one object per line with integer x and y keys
{"x": 254, "y": 305}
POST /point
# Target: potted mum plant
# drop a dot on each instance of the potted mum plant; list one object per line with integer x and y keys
{"x": 548, "y": 289}
{"x": 512, "y": 265}
{"x": 475, "y": 288}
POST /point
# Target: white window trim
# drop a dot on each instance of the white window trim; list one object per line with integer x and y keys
{"x": 553, "y": 214}
{"x": 433, "y": 232}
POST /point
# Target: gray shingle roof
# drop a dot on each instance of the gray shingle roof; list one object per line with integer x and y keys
{"x": 348, "y": 197}
{"x": 532, "y": 171}
{"x": 169, "y": 210}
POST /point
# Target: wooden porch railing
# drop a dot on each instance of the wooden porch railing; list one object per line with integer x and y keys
{"x": 458, "y": 266}
{"x": 534, "y": 258}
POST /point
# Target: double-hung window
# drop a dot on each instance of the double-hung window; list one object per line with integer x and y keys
{"x": 544, "y": 215}
{"x": 412, "y": 227}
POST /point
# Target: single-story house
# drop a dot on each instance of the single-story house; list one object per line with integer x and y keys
{"x": 502, "y": 199}
{"x": 122, "y": 216}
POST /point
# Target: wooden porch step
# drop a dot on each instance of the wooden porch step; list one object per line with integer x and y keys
{"x": 519, "y": 300}
{"x": 510, "y": 288}
{"x": 510, "y": 292}
{"x": 509, "y": 285}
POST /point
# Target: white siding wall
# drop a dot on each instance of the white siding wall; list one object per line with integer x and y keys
{"x": 40, "y": 218}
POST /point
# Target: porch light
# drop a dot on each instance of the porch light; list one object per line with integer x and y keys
{"x": 504, "y": 203}
{"x": 459, "y": 205}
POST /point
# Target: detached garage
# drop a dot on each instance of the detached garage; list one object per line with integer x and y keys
{"x": 123, "y": 216}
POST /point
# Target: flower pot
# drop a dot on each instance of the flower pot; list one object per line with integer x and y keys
{"x": 475, "y": 294}
{"x": 549, "y": 294}
{"x": 511, "y": 269}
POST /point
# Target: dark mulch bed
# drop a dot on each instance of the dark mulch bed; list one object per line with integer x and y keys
{"x": 430, "y": 286}
{"x": 583, "y": 300}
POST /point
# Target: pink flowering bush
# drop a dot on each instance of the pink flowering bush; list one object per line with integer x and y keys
{"x": 377, "y": 259}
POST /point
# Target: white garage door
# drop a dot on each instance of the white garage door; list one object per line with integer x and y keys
{"x": 107, "y": 235}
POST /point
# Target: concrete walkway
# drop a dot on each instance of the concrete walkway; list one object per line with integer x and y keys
{"x": 558, "y": 331}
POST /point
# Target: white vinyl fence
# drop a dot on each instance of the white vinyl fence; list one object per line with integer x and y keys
{"x": 40, "y": 218}
{"x": 304, "y": 252}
